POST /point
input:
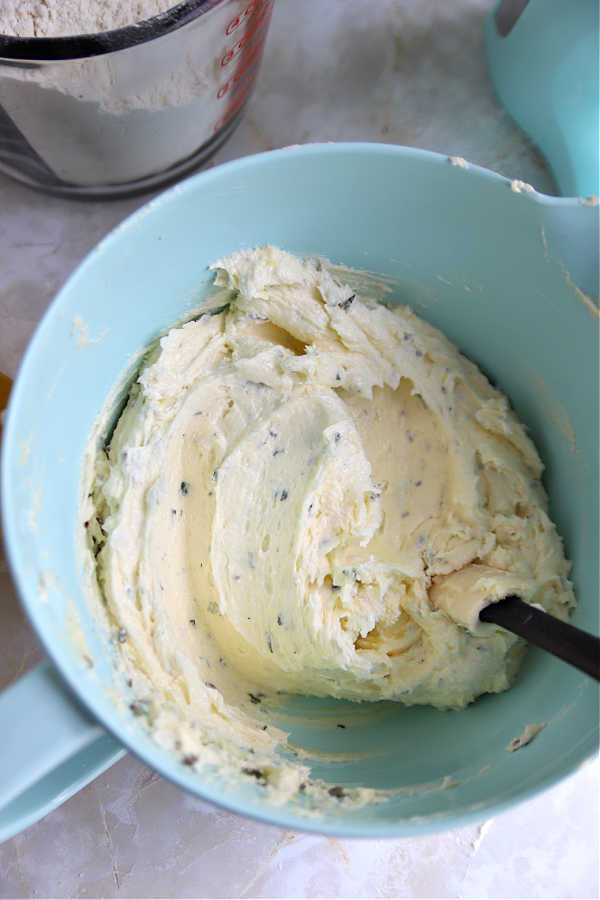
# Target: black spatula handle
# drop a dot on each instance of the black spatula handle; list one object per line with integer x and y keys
{"x": 571, "y": 644}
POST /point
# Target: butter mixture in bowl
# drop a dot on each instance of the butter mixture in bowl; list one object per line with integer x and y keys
{"x": 312, "y": 493}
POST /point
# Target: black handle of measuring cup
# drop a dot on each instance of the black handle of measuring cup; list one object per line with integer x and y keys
{"x": 577, "y": 647}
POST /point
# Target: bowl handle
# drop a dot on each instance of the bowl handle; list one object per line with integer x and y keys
{"x": 543, "y": 61}
{"x": 49, "y": 749}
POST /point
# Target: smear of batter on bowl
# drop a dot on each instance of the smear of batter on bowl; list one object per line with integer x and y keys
{"x": 312, "y": 493}
{"x": 530, "y": 731}
{"x": 520, "y": 187}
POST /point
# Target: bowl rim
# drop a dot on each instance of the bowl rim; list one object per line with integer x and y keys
{"x": 18, "y": 50}
{"x": 280, "y": 816}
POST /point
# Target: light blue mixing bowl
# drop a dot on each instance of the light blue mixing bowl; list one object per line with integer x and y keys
{"x": 508, "y": 276}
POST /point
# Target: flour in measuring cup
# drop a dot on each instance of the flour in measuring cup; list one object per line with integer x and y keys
{"x": 122, "y": 116}
{"x": 60, "y": 18}
{"x": 172, "y": 74}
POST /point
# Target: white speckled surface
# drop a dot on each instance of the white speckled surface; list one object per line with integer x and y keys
{"x": 397, "y": 70}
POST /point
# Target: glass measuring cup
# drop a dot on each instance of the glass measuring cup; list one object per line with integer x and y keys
{"x": 125, "y": 111}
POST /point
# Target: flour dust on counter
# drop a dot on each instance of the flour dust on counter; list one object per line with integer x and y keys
{"x": 312, "y": 493}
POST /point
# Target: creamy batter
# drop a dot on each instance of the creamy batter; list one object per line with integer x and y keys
{"x": 318, "y": 493}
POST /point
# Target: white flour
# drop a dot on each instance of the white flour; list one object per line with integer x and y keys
{"x": 59, "y": 18}
{"x": 166, "y": 72}
{"x": 121, "y": 116}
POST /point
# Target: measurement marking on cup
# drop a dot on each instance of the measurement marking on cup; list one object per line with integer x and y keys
{"x": 241, "y": 45}
{"x": 246, "y": 51}
{"x": 246, "y": 14}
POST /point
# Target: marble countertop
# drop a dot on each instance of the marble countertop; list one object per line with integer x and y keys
{"x": 400, "y": 71}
